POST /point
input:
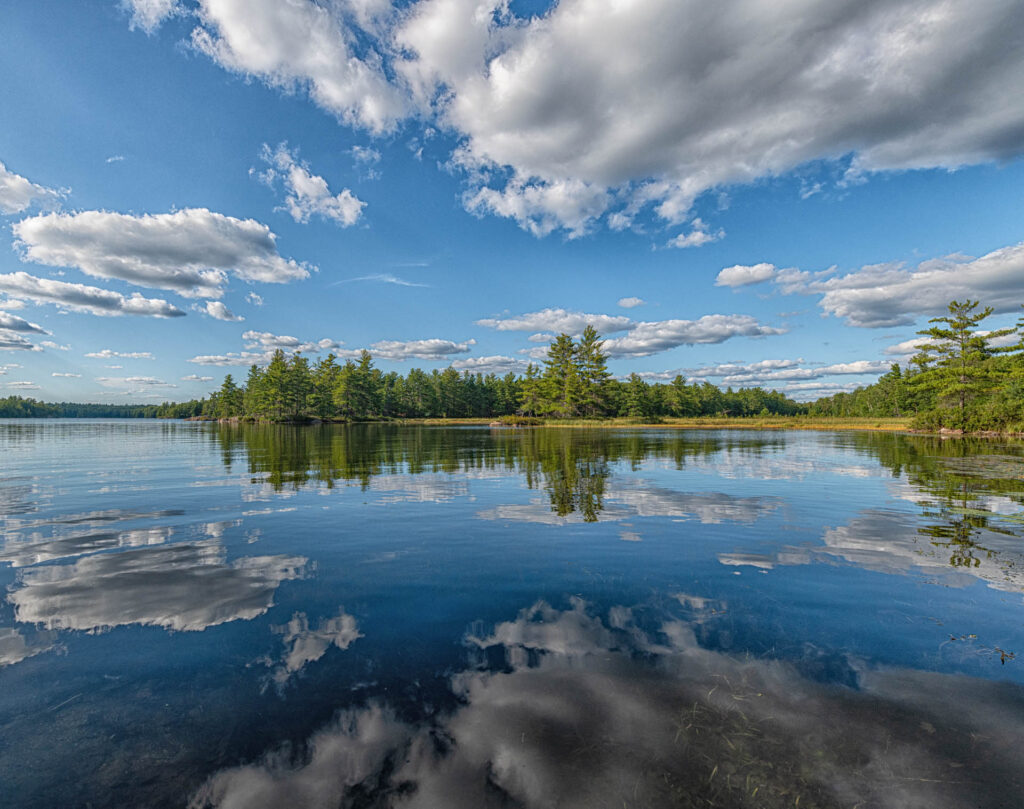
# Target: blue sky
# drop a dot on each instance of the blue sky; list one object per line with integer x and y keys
{"x": 746, "y": 192}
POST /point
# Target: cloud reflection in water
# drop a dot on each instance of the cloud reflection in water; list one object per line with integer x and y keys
{"x": 592, "y": 712}
{"x": 186, "y": 587}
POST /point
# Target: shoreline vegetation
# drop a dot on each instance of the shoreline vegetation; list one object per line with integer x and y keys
{"x": 963, "y": 380}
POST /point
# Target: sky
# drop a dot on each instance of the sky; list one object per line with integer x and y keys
{"x": 749, "y": 192}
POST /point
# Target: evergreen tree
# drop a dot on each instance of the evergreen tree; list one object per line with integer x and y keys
{"x": 592, "y": 364}
{"x": 325, "y": 380}
{"x": 229, "y": 399}
{"x": 531, "y": 400}
{"x": 299, "y": 386}
{"x": 562, "y": 386}
{"x": 275, "y": 381}
{"x": 954, "y": 362}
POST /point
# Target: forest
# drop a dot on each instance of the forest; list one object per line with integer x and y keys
{"x": 963, "y": 377}
{"x": 572, "y": 382}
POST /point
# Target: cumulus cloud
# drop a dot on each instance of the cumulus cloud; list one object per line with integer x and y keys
{"x": 17, "y": 193}
{"x": 191, "y": 251}
{"x": 699, "y": 235}
{"x": 20, "y": 384}
{"x": 54, "y": 346}
{"x": 196, "y": 378}
{"x": 631, "y": 303}
{"x": 739, "y": 275}
{"x": 272, "y": 342}
{"x": 893, "y": 295}
{"x": 243, "y": 358}
{"x": 140, "y": 382}
{"x": 307, "y": 193}
{"x": 649, "y": 338}
{"x": 541, "y": 209}
{"x": 303, "y": 45}
{"x": 11, "y": 341}
{"x": 496, "y": 364}
{"x": 11, "y": 322}
{"x": 148, "y": 15}
{"x": 254, "y": 299}
{"x": 554, "y": 134}
{"x": 78, "y": 297}
{"x": 65, "y": 376}
{"x": 758, "y": 89}
{"x": 558, "y": 321}
{"x": 218, "y": 311}
{"x": 260, "y": 347}
{"x": 431, "y": 349}
{"x": 109, "y": 354}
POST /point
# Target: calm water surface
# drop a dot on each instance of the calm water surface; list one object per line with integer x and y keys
{"x": 372, "y": 616}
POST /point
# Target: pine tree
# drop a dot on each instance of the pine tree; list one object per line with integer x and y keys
{"x": 592, "y": 363}
{"x": 531, "y": 400}
{"x": 562, "y": 386}
{"x": 275, "y": 381}
{"x": 955, "y": 362}
{"x": 325, "y": 379}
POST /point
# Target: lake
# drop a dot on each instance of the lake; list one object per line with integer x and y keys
{"x": 214, "y": 615}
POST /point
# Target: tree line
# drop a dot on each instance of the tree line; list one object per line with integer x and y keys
{"x": 959, "y": 379}
{"x": 572, "y": 382}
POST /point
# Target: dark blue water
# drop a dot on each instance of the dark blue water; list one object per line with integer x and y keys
{"x": 369, "y": 616}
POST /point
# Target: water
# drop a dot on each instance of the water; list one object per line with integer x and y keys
{"x": 368, "y": 616}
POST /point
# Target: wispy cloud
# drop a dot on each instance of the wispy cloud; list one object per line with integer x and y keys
{"x": 383, "y": 278}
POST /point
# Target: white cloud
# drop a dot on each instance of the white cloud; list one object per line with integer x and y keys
{"x": 54, "y": 346}
{"x": 254, "y": 299}
{"x": 82, "y": 298}
{"x": 631, "y": 303}
{"x": 739, "y": 275}
{"x": 307, "y": 193}
{"x": 191, "y": 251}
{"x": 148, "y": 14}
{"x": 260, "y": 347}
{"x": 541, "y": 337}
{"x": 559, "y": 321}
{"x": 303, "y": 45}
{"x": 196, "y": 378}
{"x": 555, "y": 134}
{"x": 700, "y": 235}
{"x": 732, "y": 368}
{"x": 10, "y": 341}
{"x": 893, "y": 295}
{"x": 644, "y": 339}
{"x": 17, "y": 193}
{"x": 245, "y": 358}
{"x": 133, "y": 382}
{"x": 65, "y": 376}
{"x": 11, "y": 305}
{"x": 541, "y": 209}
{"x": 109, "y": 354}
{"x": 218, "y": 311}
{"x": 22, "y": 385}
{"x": 382, "y": 277}
{"x": 757, "y": 89}
{"x": 11, "y": 322}
{"x": 117, "y": 158}
{"x": 496, "y": 364}
{"x": 272, "y": 342}
{"x": 430, "y": 349}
